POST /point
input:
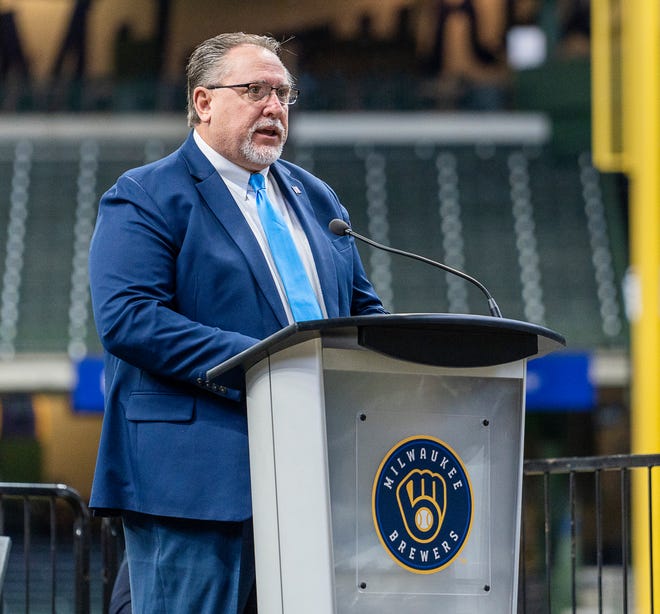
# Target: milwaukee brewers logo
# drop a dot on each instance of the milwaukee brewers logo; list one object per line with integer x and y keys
{"x": 422, "y": 504}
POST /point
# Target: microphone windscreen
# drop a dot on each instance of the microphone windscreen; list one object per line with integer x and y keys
{"x": 338, "y": 227}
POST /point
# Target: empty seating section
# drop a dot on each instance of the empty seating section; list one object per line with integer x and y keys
{"x": 45, "y": 281}
{"x": 515, "y": 217}
{"x": 566, "y": 266}
{"x": 543, "y": 232}
{"x": 489, "y": 226}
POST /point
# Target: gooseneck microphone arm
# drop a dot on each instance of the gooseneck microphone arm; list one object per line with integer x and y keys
{"x": 340, "y": 228}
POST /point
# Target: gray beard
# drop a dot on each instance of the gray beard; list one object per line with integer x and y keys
{"x": 261, "y": 155}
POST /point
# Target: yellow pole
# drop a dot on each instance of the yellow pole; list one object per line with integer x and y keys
{"x": 626, "y": 138}
{"x": 641, "y": 70}
{"x": 606, "y": 112}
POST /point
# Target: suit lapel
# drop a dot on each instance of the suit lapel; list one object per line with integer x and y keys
{"x": 219, "y": 199}
{"x": 217, "y": 196}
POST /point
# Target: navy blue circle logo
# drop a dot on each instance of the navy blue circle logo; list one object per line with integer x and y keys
{"x": 422, "y": 504}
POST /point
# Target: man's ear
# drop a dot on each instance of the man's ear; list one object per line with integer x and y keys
{"x": 202, "y": 102}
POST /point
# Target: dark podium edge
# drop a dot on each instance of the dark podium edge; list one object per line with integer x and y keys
{"x": 441, "y": 340}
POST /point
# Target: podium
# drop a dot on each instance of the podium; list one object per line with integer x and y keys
{"x": 386, "y": 462}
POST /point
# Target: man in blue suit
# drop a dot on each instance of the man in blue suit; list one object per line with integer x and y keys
{"x": 182, "y": 278}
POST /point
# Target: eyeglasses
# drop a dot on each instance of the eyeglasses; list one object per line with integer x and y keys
{"x": 258, "y": 91}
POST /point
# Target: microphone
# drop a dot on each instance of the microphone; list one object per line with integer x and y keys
{"x": 341, "y": 228}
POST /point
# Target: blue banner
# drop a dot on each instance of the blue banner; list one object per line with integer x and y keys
{"x": 88, "y": 390}
{"x": 560, "y": 382}
{"x": 557, "y": 382}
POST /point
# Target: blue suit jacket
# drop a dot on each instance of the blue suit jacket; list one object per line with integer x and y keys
{"x": 179, "y": 284}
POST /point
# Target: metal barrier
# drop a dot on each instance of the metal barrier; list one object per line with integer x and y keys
{"x": 576, "y": 538}
{"x": 575, "y": 546}
{"x": 32, "y": 514}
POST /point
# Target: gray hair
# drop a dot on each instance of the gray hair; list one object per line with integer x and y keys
{"x": 207, "y": 60}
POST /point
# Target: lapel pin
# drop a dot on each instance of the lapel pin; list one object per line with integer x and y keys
{"x": 296, "y": 189}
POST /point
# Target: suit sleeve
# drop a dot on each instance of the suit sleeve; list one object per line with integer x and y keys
{"x": 132, "y": 268}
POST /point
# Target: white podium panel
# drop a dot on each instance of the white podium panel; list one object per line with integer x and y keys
{"x": 290, "y": 485}
{"x": 373, "y": 405}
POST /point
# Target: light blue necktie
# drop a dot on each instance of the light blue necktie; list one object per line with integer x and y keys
{"x": 297, "y": 286}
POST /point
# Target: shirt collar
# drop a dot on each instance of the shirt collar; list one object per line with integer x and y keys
{"x": 225, "y": 168}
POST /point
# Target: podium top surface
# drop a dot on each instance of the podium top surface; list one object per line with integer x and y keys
{"x": 442, "y": 340}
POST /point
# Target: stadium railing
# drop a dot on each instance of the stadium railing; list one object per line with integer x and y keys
{"x": 576, "y": 541}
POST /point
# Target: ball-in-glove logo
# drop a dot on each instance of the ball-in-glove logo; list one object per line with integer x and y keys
{"x": 422, "y": 504}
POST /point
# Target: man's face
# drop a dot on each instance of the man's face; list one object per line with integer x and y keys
{"x": 248, "y": 133}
